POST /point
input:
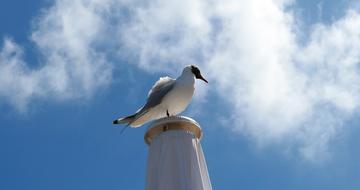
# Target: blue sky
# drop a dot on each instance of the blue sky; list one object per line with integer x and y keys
{"x": 280, "y": 111}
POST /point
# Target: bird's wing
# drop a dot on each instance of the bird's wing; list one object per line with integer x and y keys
{"x": 159, "y": 90}
{"x": 161, "y": 83}
{"x": 156, "y": 95}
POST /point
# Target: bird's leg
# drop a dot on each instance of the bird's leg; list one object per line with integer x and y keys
{"x": 165, "y": 127}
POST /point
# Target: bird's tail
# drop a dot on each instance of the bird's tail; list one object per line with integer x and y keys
{"x": 125, "y": 120}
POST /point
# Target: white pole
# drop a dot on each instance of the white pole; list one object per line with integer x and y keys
{"x": 176, "y": 160}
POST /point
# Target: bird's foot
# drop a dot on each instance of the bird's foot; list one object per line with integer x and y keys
{"x": 167, "y": 113}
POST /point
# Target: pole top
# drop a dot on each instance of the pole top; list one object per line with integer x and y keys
{"x": 172, "y": 123}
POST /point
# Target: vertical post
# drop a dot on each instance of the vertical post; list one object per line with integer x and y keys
{"x": 176, "y": 160}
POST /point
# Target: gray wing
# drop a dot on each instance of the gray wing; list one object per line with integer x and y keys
{"x": 161, "y": 83}
{"x": 156, "y": 94}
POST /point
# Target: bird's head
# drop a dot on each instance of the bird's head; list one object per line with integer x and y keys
{"x": 195, "y": 71}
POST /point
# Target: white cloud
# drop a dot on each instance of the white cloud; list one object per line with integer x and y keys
{"x": 167, "y": 33}
{"x": 66, "y": 36}
{"x": 16, "y": 82}
{"x": 278, "y": 90}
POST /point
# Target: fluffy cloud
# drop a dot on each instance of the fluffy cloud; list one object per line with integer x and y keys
{"x": 168, "y": 33}
{"x": 72, "y": 67}
{"x": 278, "y": 89}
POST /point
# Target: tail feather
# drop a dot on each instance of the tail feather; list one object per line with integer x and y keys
{"x": 125, "y": 120}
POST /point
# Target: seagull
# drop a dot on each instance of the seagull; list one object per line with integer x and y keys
{"x": 166, "y": 98}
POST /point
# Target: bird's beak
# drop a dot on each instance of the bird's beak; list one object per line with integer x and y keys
{"x": 201, "y": 78}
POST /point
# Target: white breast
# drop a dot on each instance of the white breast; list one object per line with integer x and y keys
{"x": 178, "y": 98}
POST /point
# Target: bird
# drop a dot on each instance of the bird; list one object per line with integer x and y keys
{"x": 167, "y": 97}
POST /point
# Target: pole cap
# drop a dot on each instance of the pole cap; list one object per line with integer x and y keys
{"x": 172, "y": 123}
